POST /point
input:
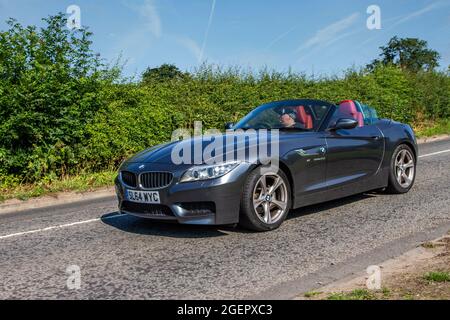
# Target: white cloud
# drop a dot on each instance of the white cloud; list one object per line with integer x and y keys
{"x": 314, "y": 51}
{"x": 405, "y": 18}
{"x": 191, "y": 46}
{"x": 418, "y": 13}
{"x": 135, "y": 42}
{"x": 325, "y": 36}
{"x": 151, "y": 16}
{"x": 280, "y": 37}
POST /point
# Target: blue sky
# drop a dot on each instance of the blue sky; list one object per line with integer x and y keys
{"x": 320, "y": 37}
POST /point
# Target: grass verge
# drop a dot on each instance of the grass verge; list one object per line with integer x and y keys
{"x": 430, "y": 129}
{"x": 357, "y": 294}
{"x": 420, "y": 275}
{"x": 437, "y": 276}
{"x": 312, "y": 294}
{"x": 80, "y": 183}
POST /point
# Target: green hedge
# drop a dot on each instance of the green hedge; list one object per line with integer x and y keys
{"x": 142, "y": 116}
{"x": 132, "y": 117}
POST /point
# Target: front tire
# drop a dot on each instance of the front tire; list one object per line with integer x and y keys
{"x": 402, "y": 173}
{"x": 265, "y": 201}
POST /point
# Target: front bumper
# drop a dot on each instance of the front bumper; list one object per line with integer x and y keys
{"x": 210, "y": 202}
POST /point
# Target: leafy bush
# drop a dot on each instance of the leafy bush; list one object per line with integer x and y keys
{"x": 50, "y": 89}
{"x": 145, "y": 115}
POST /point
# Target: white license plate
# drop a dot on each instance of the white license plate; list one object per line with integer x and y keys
{"x": 143, "y": 196}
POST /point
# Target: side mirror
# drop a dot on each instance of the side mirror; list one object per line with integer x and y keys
{"x": 345, "y": 123}
{"x": 229, "y": 125}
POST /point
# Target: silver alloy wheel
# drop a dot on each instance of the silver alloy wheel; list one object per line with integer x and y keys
{"x": 404, "y": 168}
{"x": 270, "y": 198}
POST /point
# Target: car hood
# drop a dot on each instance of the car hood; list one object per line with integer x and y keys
{"x": 157, "y": 154}
{"x": 224, "y": 143}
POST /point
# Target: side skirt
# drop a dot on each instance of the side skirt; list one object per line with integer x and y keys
{"x": 378, "y": 181}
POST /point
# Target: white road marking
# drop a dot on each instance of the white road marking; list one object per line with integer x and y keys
{"x": 58, "y": 227}
{"x": 434, "y": 153}
{"x": 119, "y": 215}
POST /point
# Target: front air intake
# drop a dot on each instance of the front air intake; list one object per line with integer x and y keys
{"x": 129, "y": 178}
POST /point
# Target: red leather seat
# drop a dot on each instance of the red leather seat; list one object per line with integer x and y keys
{"x": 348, "y": 108}
{"x": 304, "y": 118}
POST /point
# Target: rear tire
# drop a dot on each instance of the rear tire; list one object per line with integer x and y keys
{"x": 265, "y": 201}
{"x": 402, "y": 172}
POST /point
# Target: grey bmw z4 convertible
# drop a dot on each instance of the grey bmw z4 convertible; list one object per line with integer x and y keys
{"x": 281, "y": 156}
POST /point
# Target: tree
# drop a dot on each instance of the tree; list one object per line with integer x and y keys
{"x": 50, "y": 88}
{"x": 165, "y": 72}
{"x": 408, "y": 53}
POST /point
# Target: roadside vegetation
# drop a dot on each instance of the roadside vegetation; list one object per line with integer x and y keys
{"x": 418, "y": 279}
{"x": 434, "y": 285}
{"x": 433, "y": 128}
{"x": 67, "y": 119}
{"x": 82, "y": 182}
{"x": 437, "y": 276}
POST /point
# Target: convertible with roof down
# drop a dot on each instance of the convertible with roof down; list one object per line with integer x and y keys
{"x": 324, "y": 151}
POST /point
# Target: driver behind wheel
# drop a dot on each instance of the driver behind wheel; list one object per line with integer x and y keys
{"x": 288, "y": 118}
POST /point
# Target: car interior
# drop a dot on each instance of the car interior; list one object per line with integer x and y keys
{"x": 304, "y": 118}
{"x": 309, "y": 117}
{"x": 349, "y": 109}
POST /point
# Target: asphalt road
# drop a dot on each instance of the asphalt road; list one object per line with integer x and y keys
{"x": 129, "y": 258}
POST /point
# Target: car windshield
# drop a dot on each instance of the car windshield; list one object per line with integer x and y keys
{"x": 297, "y": 115}
{"x": 370, "y": 114}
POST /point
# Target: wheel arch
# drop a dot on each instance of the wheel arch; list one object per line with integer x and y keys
{"x": 394, "y": 186}
{"x": 411, "y": 146}
{"x": 288, "y": 174}
{"x": 285, "y": 168}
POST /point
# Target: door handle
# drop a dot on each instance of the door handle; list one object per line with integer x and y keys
{"x": 376, "y": 138}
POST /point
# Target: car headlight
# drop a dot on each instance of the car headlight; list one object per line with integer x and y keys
{"x": 208, "y": 172}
